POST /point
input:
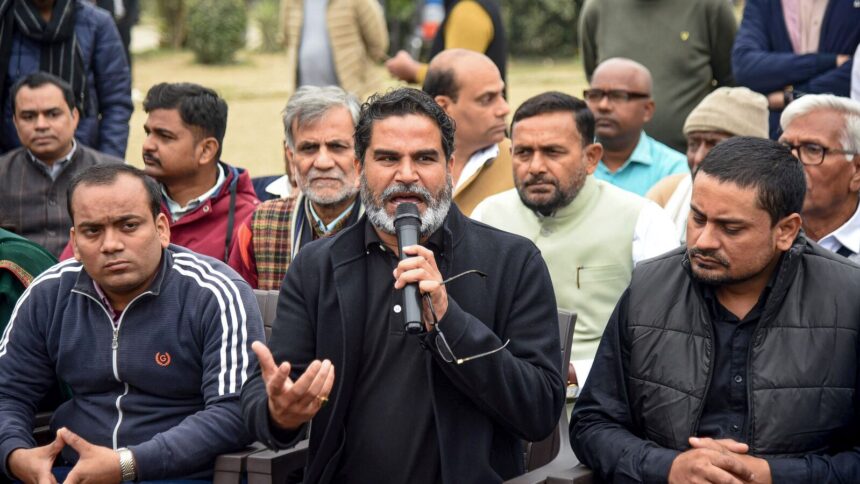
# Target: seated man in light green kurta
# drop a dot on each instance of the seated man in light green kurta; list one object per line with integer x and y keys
{"x": 590, "y": 233}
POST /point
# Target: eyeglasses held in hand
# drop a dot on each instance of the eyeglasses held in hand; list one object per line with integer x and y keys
{"x": 442, "y": 345}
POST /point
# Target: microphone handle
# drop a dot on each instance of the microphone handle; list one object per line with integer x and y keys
{"x": 412, "y": 309}
{"x": 412, "y": 322}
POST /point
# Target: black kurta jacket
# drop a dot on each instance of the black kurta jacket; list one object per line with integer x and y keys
{"x": 483, "y": 408}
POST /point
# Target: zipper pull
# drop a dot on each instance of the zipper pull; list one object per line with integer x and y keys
{"x": 115, "y": 343}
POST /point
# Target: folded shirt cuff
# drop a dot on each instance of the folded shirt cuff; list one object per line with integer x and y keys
{"x": 659, "y": 462}
{"x": 788, "y": 470}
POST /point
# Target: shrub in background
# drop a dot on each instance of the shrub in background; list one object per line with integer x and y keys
{"x": 401, "y": 17}
{"x": 542, "y": 28}
{"x": 171, "y": 21}
{"x": 216, "y": 30}
{"x": 267, "y": 16}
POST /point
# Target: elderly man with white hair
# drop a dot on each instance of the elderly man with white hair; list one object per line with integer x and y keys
{"x": 823, "y": 131}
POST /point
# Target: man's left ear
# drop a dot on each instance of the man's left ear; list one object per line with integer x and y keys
{"x": 356, "y": 164}
{"x": 208, "y": 151}
{"x": 592, "y": 153}
{"x": 76, "y": 117}
{"x": 162, "y": 226}
{"x": 786, "y": 231}
{"x": 75, "y": 252}
{"x": 444, "y": 102}
{"x": 649, "y": 109}
{"x": 854, "y": 182}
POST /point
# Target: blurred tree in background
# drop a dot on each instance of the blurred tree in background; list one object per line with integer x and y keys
{"x": 171, "y": 22}
{"x": 267, "y": 17}
{"x": 216, "y": 29}
{"x": 542, "y": 28}
{"x": 536, "y": 28}
{"x": 401, "y": 17}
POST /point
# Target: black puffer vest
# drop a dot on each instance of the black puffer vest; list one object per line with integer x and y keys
{"x": 802, "y": 365}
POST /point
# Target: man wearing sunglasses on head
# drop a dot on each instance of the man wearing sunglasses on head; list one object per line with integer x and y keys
{"x": 823, "y": 131}
{"x": 620, "y": 98}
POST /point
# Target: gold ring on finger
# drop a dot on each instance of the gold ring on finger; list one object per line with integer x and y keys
{"x": 322, "y": 400}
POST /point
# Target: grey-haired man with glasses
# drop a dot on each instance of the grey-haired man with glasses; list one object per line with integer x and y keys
{"x": 823, "y": 131}
{"x": 451, "y": 404}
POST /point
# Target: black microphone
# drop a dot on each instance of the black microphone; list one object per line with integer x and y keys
{"x": 407, "y": 225}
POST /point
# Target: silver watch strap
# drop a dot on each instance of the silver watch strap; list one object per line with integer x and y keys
{"x": 126, "y": 464}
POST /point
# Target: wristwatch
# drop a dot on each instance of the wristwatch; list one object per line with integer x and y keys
{"x": 126, "y": 464}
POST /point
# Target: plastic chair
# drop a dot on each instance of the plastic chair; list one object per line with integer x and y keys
{"x": 230, "y": 468}
{"x": 552, "y": 461}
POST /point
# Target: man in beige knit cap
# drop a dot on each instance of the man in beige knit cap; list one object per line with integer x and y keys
{"x": 722, "y": 114}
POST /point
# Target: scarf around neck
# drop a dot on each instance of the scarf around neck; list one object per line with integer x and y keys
{"x": 60, "y": 53}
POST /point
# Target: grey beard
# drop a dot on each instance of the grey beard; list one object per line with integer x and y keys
{"x": 335, "y": 199}
{"x": 345, "y": 194}
{"x": 432, "y": 218}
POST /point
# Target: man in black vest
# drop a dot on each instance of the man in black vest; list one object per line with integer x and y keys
{"x": 734, "y": 359}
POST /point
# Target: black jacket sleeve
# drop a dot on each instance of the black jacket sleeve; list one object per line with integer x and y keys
{"x": 602, "y": 427}
{"x": 520, "y": 386}
{"x": 299, "y": 344}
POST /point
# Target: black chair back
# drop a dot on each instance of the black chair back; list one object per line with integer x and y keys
{"x": 268, "y": 303}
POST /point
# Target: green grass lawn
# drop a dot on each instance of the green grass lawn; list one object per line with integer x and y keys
{"x": 256, "y": 95}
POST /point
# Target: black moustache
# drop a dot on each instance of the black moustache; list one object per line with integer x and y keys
{"x": 711, "y": 254}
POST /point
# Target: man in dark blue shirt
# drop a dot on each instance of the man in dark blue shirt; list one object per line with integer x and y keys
{"x": 735, "y": 358}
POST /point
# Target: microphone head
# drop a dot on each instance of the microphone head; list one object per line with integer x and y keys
{"x": 407, "y": 214}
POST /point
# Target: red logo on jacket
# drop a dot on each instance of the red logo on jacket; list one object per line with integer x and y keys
{"x": 162, "y": 359}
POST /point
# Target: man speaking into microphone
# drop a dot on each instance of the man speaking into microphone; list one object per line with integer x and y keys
{"x": 453, "y": 402}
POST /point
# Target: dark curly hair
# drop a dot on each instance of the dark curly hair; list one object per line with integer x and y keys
{"x": 401, "y": 102}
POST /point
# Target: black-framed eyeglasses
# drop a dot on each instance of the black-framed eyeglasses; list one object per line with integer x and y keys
{"x": 615, "y": 96}
{"x": 442, "y": 346}
{"x": 813, "y": 154}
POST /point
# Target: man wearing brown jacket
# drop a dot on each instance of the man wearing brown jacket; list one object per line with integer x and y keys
{"x": 334, "y": 43}
{"x": 470, "y": 89}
